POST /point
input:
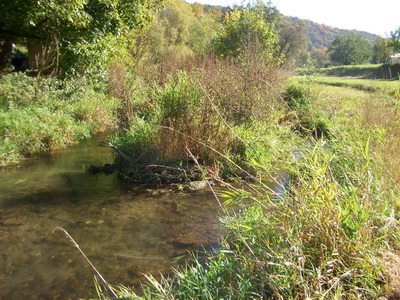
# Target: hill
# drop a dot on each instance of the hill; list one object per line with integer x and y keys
{"x": 321, "y": 35}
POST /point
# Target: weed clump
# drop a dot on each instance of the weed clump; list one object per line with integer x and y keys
{"x": 300, "y": 95}
{"x": 215, "y": 122}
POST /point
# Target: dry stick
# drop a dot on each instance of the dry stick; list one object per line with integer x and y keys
{"x": 139, "y": 257}
{"x": 228, "y": 159}
{"x": 209, "y": 185}
{"x": 226, "y": 183}
{"x": 126, "y": 157}
{"x": 216, "y": 197}
{"x": 87, "y": 259}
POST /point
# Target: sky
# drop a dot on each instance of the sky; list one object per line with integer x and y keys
{"x": 378, "y": 17}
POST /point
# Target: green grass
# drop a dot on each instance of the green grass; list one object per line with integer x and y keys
{"x": 330, "y": 236}
{"x": 44, "y": 114}
{"x": 369, "y": 85}
{"x": 385, "y": 71}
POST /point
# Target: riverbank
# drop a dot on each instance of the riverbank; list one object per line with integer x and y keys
{"x": 40, "y": 114}
{"x": 335, "y": 234}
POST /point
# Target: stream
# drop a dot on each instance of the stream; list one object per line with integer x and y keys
{"x": 124, "y": 229}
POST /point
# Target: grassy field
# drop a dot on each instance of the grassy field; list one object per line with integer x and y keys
{"x": 378, "y": 86}
{"x": 385, "y": 71}
{"x": 367, "y": 104}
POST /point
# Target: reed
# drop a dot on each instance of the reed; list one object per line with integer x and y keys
{"x": 331, "y": 237}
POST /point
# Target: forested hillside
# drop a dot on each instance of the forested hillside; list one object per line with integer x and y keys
{"x": 321, "y": 36}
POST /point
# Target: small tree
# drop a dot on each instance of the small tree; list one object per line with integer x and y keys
{"x": 350, "y": 49}
{"x": 293, "y": 40}
{"x": 244, "y": 27}
{"x": 382, "y": 50}
{"x": 395, "y": 40}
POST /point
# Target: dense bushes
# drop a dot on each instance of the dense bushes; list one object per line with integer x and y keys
{"x": 216, "y": 122}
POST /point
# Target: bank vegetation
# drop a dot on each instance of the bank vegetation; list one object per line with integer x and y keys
{"x": 205, "y": 94}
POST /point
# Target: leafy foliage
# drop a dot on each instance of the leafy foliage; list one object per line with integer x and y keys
{"x": 382, "y": 50}
{"x": 44, "y": 114}
{"x": 395, "y": 40}
{"x": 293, "y": 39}
{"x": 242, "y": 28}
{"x": 350, "y": 50}
{"x": 86, "y": 33}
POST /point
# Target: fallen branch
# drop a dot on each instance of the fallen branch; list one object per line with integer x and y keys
{"x": 87, "y": 259}
{"x": 124, "y": 156}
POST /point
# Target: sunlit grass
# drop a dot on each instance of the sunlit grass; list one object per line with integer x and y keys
{"x": 378, "y": 71}
{"x": 378, "y": 86}
{"x": 331, "y": 235}
{"x": 45, "y": 114}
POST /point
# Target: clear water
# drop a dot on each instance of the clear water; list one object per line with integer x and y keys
{"x": 125, "y": 230}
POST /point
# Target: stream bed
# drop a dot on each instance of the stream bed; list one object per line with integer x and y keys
{"x": 124, "y": 229}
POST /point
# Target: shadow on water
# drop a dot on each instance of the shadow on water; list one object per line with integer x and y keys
{"x": 125, "y": 231}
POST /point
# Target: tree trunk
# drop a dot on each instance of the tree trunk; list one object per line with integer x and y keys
{"x": 5, "y": 53}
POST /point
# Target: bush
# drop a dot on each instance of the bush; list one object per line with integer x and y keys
{"x": 300, "y": 95}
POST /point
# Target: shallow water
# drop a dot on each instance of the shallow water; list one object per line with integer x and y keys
{"x": 125, "y": 230}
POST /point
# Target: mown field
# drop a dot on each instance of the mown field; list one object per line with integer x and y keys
{"x": 379, "y": 71}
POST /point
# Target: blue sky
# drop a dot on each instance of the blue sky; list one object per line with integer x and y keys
{"x": 379, "y": 17}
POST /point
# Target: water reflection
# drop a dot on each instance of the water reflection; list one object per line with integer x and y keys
{"x": 124, "y": 230}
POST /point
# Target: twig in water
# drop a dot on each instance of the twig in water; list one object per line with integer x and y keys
{"x": 87, "y": 259}
{"x": 209, "y": 185}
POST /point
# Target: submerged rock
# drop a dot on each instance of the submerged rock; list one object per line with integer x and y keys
{"x": 106, "y": 169}
{"x": 198, "y": 185}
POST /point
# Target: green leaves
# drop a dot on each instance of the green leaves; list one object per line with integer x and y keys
{"x": 76, "y": 27}
{"x": 395, "y": 36}
{"x": 350, "y": 49}
{"x": 243, "y": 28}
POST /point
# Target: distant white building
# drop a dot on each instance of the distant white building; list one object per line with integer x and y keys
{"x": 395, "y": 58}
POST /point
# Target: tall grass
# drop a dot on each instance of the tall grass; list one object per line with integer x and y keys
{"x": 193, "y": 110}
{"x": 327, "y": 239}
{"x": 331, "y": 236}
{"x": 45, "y": 114}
